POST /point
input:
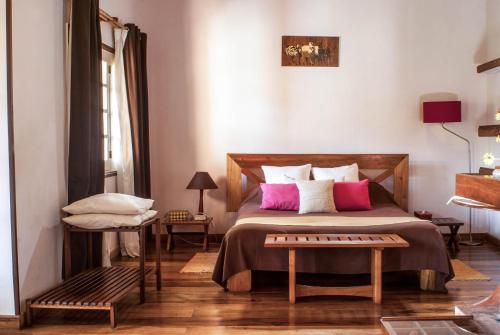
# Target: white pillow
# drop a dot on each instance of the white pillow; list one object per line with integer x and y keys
{"x": 97, "y": 221}
{"x": 341, "y": 173}
{"x": 110, "y": 203}
{"x": 286, "y": 174}
{"x": 316, "y": 196}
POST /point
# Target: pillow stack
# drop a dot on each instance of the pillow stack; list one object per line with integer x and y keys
{"x": 109, "y": 210}
{"x": 338, "y": 188}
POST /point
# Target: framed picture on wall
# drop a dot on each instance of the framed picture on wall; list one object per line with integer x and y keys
{"x": 310, "y": 51}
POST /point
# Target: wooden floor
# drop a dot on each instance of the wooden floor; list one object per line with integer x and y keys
{"x": 193, "y": 304}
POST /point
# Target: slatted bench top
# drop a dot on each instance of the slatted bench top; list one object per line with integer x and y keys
{"x": 98, "y": 288}
{"x": 335, "y": 241}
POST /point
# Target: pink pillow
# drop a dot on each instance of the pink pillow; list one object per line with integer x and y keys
{"x": 352, "y": 196}
{"x": 283, "y": 197}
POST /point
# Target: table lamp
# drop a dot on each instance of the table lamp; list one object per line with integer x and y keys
{"x": 445, "y": 112}
{"x": 201, "y": 181}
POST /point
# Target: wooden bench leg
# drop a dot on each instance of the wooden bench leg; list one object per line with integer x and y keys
{"x": 291, "y": 275}
{"x": 158, "y": 254}
{"x": 376, "y": 274}
{"x": 112, "y": 316}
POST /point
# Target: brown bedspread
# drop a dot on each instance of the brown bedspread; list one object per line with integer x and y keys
{"x": 243, "y": 246}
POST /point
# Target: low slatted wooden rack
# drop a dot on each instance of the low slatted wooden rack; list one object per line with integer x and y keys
{"x": 99, "y": 288}
{"x": 96, "y": 289}
{"x": 376, "y": 242}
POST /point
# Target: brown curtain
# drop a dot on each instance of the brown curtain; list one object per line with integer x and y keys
{"x": 134, "y": 55}
{"x": 85, "y": 161}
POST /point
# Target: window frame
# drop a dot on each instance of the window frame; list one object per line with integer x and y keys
{"x": 107, "y": 58}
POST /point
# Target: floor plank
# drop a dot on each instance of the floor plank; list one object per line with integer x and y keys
{"x": 192, "y": 304}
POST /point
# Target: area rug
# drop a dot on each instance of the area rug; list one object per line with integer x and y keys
{"x": 204, "y": 262}
{"x": 201, "y": 262}
{"x": 463, "y": 272}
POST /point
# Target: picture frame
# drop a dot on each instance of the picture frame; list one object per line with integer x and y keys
{"x": 310, "y": 51}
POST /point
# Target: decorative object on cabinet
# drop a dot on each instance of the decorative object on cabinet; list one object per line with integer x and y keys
{"x": 310, "y": 51}
{"x": 489, "y": 158}
{"x": 178, "y": 215}
{"x": 201, "y": 181}
{"x": 190, "y": 222}
{"x": 445, "y": 112}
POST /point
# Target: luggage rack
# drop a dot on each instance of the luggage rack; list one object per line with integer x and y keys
{"x": 99, "y": 288}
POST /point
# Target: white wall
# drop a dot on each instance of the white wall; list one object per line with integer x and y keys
{"x": 39, "y": 141}
{"x": 493, "y": 78}
{"x": 7, "y": 305}
{"x": 216, "y": 86}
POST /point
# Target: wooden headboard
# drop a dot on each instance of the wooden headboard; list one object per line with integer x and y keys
{"x": 395, "y": 165}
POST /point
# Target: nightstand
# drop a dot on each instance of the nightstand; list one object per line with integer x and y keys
{"x": 204, "y": 223}
{"x": 454, "y": 225}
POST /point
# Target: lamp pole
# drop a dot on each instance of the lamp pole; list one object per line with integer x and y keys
{"x": 470, "y": 242}
{"x": 200, "y": 203}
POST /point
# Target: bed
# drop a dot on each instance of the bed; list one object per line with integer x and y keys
{"x": 242, "y": 250}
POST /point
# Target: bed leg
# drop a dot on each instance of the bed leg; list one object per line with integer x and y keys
{"x": 240, "y": 282}
{"x": 427, "y": 280}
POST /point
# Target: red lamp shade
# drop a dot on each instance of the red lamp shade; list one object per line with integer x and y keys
{"x": 442, "y": 111}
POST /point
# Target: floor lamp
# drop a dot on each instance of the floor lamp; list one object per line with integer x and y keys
{"x": 445, "y": 112}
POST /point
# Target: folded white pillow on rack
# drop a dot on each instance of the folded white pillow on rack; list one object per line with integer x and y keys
{"x": 110, "y": 203}
{"x": 99, "y": 221}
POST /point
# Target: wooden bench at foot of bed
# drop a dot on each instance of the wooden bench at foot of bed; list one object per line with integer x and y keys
{"x": 376, "y": 242}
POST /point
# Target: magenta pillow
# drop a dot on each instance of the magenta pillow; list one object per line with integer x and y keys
{"x": 351, "y": 196}
{"x": 283, "y": 197}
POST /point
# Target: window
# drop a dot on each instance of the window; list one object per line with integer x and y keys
{"x": 106, "y": 112}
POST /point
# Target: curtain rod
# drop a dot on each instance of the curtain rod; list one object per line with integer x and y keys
{"x": 105, "y": 17}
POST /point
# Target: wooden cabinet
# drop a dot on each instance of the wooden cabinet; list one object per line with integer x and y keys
{"x": 485, "y": 189}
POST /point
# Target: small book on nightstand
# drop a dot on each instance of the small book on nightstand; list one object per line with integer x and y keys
{"x": 200, "y": 217}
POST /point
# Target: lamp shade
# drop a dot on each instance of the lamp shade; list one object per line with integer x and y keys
{"x": 201, "y": 181}
{"x": 442, "y": 111}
